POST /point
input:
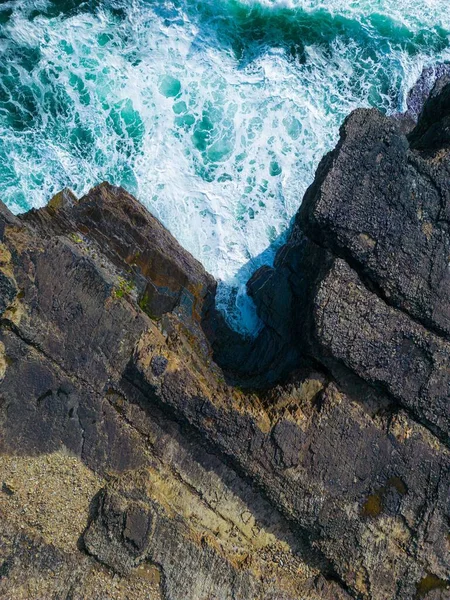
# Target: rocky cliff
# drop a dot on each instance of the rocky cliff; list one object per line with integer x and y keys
{"x": 148, "y": 452}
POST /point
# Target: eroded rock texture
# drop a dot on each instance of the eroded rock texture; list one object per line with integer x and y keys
{"x": 149, "y": 452}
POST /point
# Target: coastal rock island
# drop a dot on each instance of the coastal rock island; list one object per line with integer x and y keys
{"x": 150, "y": 452}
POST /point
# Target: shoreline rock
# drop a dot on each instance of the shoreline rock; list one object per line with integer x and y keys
{"x": 312, "y": 462}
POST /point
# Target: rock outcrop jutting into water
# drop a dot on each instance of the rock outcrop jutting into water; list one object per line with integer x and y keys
{"x": 147, "y": 452}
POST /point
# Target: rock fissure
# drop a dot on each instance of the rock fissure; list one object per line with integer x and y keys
{"x": 311, "y": 462}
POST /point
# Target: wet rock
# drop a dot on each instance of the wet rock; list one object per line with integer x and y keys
{"x": 433, "y": 129}
{"x": 331, "y": 480}
{"x": 431, "y": 80}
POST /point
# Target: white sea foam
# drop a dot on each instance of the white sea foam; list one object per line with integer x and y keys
{"x": 220, "y": 146}
{"x": 416, "y": 14}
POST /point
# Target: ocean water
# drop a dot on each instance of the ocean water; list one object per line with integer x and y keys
{"x": 214, "y": 113}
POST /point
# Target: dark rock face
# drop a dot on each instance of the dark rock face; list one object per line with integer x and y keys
{"x": 431, "y": 80}
{"x": 162, "y": 480}
{"x": 384, "y": 347}
{"x": 120, "y": 534}
{"x": 382, "y": 207}
{"x": 8, "y": 292}
{"x": 433, "y": 129}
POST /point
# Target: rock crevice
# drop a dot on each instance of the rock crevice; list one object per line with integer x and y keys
{"x": 311, "y": 462}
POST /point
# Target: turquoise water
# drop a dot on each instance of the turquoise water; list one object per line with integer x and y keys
{"x": 214, "y": 113}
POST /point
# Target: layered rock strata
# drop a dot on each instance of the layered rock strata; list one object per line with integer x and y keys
{"x": 147, "y": 451}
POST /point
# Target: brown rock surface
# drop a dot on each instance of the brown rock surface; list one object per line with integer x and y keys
{"x": 130, "y": 467}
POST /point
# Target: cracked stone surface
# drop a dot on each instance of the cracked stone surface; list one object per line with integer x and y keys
{"x": 148, "y": 452}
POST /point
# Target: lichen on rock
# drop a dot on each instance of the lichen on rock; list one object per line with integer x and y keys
{"x": 148, "y": 451}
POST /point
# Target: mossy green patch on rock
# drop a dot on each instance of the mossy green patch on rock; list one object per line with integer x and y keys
{"x": 144, "y": 303}
{"x": 373, "y": 506}
{"x": 430, "y": 583}
{"x": 124, "y": 288}
{"x": 76, "y": 238}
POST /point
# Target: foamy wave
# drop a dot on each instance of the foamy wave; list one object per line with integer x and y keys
{"x": 415, "y": 14}
{"x": 215, "y": 118}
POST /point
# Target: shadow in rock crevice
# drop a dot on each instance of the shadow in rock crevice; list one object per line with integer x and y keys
{"x": 189, "y": 446}
{"x": 261, "y": 359}
{"x": 283, "y": 296}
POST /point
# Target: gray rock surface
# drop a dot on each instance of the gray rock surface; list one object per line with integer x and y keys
{"x": 149, "y": 452}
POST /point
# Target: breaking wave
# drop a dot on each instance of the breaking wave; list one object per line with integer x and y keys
{"x": 213, "y": 113}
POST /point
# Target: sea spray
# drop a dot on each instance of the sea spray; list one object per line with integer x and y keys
{"x": 214, "y": 114}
